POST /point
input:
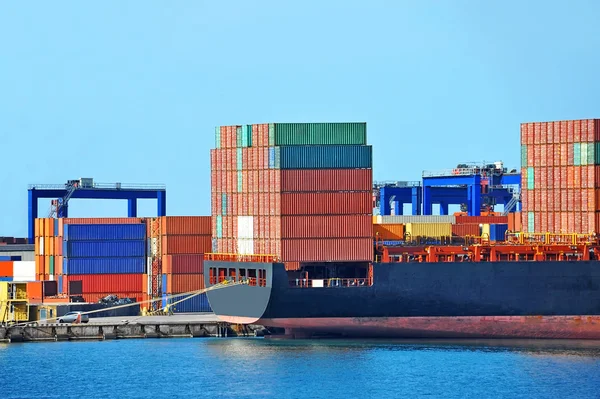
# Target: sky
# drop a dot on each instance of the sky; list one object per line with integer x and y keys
{"x": 131, "y": 91}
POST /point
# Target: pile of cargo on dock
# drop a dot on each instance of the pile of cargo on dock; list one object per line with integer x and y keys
{"x": 301, "y": 191}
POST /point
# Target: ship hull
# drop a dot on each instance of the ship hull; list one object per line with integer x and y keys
{"x": 427, "y": 300}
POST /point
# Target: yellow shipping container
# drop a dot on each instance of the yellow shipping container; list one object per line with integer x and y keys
{"x": 388, "y": 231}
{"x": 428, "y": 229}
{"x": 485, "y": 230}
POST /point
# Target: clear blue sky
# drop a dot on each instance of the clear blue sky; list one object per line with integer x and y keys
{"x": 130, "y": 91}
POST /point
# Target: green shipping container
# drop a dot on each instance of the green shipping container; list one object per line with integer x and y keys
{"x": 326, "y": 157}
{"x": 584, "y": 154}
{"x": 530, "y": 182}
{"x": 219, "y": 226}
{"x": 523, "y": 156}
{"x": 271, "y": 134}
{"x": 591, "y": 153}
{"x": 597, "y": 154}
{"x": 577, "y": 154}
{"x": 247, "y": 136}
{"x": 239, "y": 181}
{"x": 238, "y": 136}
{"x": 218, "y": 137}
{"x": 52, "y": 265}
{"x": 224, "y": 203}
{"x": 240, "y": 165}
{"x": 319, "y": 134}
{"x": 530, "y": 222}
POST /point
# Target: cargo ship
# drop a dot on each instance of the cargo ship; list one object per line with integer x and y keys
{"x": 503, "y": 291}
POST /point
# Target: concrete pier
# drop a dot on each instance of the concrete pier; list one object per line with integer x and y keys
{"x": 175, "y": 326}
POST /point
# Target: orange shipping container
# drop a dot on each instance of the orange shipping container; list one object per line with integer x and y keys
{"x": 184, "y": 225}
{"x": 323, "y": 250}
{"x": 388, "y": 231}
{"x": 6, "y": 268}
{"x": 34, "y": 290}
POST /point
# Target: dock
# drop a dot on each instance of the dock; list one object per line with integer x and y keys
{"x": 105, "y": 328}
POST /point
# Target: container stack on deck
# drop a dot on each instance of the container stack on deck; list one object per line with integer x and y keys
{"x": 560, "y": 176}
{"x": 185, "y": 240}
{"x": 298, "y": 191}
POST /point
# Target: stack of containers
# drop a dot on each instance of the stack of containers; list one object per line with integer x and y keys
{"x": 185, "y": 240}
{"x": 560, "y": 177}
{"x": 12, "y": 268}
{"x": 300, "y": 191}
{"x": 108, "y": 259}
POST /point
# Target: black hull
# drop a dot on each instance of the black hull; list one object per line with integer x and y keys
{"x": 492, "y": 299}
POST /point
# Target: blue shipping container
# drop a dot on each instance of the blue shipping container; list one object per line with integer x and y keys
{"x": 56, "y": 228}
{"x": 6, "y": 279}
{"x": 100, "y": 232}
{"x": 165, "y": 300}
{"x": 9, "y": 258}
{"x": 326, "y": 157}
{"x": 104, "y": 265}
{"x": 164, "y": 283}
{"x": 498, "y": 232}
{"x": 105, "y": 249}
{"x": 60, "y": 283}
{"x": 198, "y": 303}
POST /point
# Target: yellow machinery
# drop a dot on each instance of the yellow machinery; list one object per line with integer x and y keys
{"x": 14, "y": 305}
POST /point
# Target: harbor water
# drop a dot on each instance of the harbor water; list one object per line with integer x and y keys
{"x": 264, "y": 368}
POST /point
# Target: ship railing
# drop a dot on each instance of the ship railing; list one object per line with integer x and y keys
{"x": 251, "y": 281}
{"x": 330, "y": 282}
{"x": 549, "y": 238}
{"x": 225, "y": 257}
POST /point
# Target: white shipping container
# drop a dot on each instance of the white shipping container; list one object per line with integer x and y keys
{"x": 24, "y": 271}
{"x": 404, "y": 219}
{"x": 42, "y": 246}
{"x": 245, "y": 227}
{"x": 245, "y": 246}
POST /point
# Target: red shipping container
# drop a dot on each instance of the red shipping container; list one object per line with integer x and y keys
{"x": 592, "y": 204}
{"x": 585, "y": 225}
{"x": 536, "y": 155}
{"x": 537, "y": 178}
{"x": 543, "y": 226}
{"x": 326, "y": 203}
{"x": 543, "y": 155}
{"x": 570, "y": 132}
{"x": 537, "y": 128}
{"x": 570, "y": 154}
{"x": 347, "y": 226}
{"x": 524, "y": 199}
{"x": 544, "y": 201}
{"x": 173, "y": 245}
{"x": 325, "y": 250}
{"x": 577, "y": 131}
{"x": 102, "y": 221}
{"x": 523, "y": 133}
{"x": 550, "y": 154}
{"x": 551, "y": 222}
{"x": 593, "y": 131}
{"x": 109, "y": 283}
{"x": 482, "y": 219}
{"x": 185, "y": 225}
{"x": 571, "y": 222}
{"x": 596, "y": 176}
{"x": 563, "y": 132}
{"x": 463, "y": 230}
{"x": 326, "y": 180}
{"x": 530, "y": 128}
{"x": 181, "y": 283}
{"x": 550, "y": 133}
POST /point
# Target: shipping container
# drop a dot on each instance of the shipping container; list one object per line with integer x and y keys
{"x": 327, "y": 250}
{"x": 326, "y": 157}
{"x": 347, "y": 226}
{"x": 326, "y": 180}
{"x": 100, "y": 232}
{"x": 329, "y": 203}
{"x": 178, "y": 283}
{"x": 105, "y": 249}
{"x": 433, "y": 230}
{"x": 24, "y": 270}
{"x": 101, "y": 220}
{"x": 463, "y": 230}
{"x": 185, "y": 225}
{"x": 34, "y": 291}
{"x": 186, "y": 244}
{"x": 320, "y": 134}
{"x": 104, "y": 266}
{"x": 388, "y": 231}
{"x": 183, "y": 264}
{"x": 6, "y": 269}
{"x": 191, "y": 304}
{"x": 109, "y": 283}
{"x": 498, "y": 232}
{"x": 481, "y": 219}
{"x": 401, "y": 219}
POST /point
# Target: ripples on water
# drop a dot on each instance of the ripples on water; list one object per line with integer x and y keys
{"x": 258, "y": 368}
